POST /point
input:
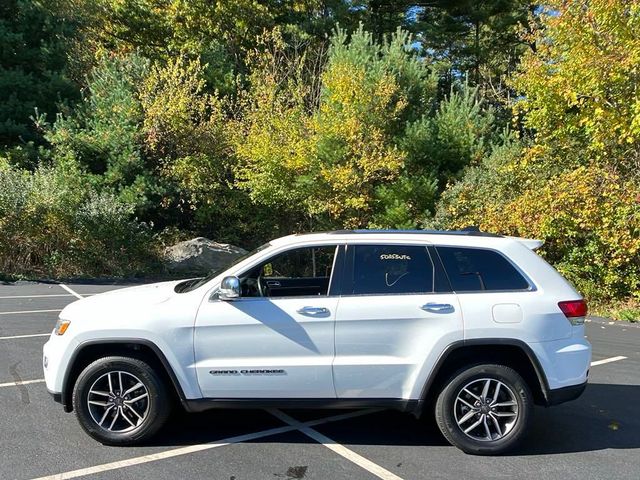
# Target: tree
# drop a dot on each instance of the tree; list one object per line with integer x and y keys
{"x": 32, "y": 67}
{"x": 102, "y": 135}
{"x": 53, "y": 222}
{"x": 480, "y": 40}
{"x": 325, "y": 149}
{"x": 369, "y": 146}
{"x": 580, "y": 87}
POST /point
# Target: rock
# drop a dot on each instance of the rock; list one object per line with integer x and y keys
{"x": 199, "y": 256}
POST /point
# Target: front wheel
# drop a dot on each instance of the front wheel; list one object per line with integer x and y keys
{"x": 484, "y": 409}
{"x": 120, "y": 400}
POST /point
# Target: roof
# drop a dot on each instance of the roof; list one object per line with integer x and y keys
{"x": 468, "y": 236}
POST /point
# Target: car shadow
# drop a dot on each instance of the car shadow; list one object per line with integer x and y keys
{"x": 266, "y": 312}
{"x": 603, "y": 417}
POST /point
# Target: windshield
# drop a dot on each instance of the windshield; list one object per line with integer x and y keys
{"x": 189, "y": 285}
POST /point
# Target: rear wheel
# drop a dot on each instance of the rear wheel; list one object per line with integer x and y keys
{"x": 484, "y": 409}
{"x": 120, "y": 400}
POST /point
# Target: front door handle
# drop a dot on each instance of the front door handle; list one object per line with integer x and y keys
{"x": 313, "y": 311}
{"x": 438, "y": 307}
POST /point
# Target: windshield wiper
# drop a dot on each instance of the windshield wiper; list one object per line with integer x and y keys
{"x": 183, "y": 286}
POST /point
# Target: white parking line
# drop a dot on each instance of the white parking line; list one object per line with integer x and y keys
{"x": 21, "y": 382}
{"x": 195, "y": 448}
{"x": 39, "y": 296}
{"x": 75, "y": 294}
{"x": 341, "y": 450}
{"x": 9, "y": 297}
{"x": 31, "y": 335}
{"x": 607, "y": 360}
{"x": 30, "y": 311}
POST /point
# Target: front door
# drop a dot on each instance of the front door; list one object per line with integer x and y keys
{"x": 277, "y": 339}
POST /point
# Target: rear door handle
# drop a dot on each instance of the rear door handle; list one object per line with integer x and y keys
{"x": 438, "y": 307}
{"x": 313, "y": 311}
{"x": 273, "y": 283}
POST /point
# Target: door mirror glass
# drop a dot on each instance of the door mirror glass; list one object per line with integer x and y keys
{"x": 229, "y": 288}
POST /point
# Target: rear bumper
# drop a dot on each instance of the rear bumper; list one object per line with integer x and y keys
{"x": 565, "y": 394}
{"x": 565, "y": 362}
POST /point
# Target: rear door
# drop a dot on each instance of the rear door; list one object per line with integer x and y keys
{"x": 395, "y": 317}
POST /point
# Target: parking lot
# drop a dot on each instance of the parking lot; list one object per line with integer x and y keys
{"x": 596, "y": 436}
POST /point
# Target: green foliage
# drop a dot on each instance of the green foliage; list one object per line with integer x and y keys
{"x": 185, "y": 132}
{"x": 32, "y": 67}
{"x": 406, "y": 203}
{"x": 325, "y": 149}
{"x": 250, "y": 119}
{"x": 102, "y": 133}
{"x": 458, "y": 134}
{"x": 580, "y": 87}
{"x": 627, "y": 314}
{"x": 575, "y": 182}
{"x": 493, "y": 181}
{"x": 220, "y": 34}
{"x": 480, "y": 39}
{"x": 589, "y": 216}
{"x": 52, "y": 223}
{"x": 180, "y": 118}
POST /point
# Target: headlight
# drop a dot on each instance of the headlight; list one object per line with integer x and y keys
{"x": 61, "y": 326}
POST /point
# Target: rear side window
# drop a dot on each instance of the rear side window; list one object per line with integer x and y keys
{"x": 391, "y": 269}
{"x": 474, "y": 269}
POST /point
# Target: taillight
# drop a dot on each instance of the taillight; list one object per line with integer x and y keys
{"x": 574, "y": 310}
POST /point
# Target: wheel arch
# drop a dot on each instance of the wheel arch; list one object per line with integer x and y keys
{"x": 139, "y": 348}
{"x": 510, "y": 352}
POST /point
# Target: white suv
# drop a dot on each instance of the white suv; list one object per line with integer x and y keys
{"x": 472, "y": 326}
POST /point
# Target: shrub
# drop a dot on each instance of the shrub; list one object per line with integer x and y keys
{"x": 53, "y": 223}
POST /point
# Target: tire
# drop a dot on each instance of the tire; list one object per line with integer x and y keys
{"x": 507, "y": 420}
{"x": 131, "y": 419}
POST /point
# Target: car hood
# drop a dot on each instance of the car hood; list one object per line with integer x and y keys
{"x": 123, "y": 299}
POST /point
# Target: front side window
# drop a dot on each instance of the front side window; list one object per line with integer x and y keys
{"x": 391, "y": 269}
{"x": 476, "y": 269}
{"x": 302, "y": 271}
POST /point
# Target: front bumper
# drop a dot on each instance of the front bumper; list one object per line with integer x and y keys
{"x": 55, "y": 359}
{"x": 57, "y": 396}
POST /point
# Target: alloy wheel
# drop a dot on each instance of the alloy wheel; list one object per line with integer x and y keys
{"x": 486, "y": 409}
{"x": 118, "y": 401}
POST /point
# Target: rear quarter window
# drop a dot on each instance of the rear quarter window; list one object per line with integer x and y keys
{"x": 477, "y": 269}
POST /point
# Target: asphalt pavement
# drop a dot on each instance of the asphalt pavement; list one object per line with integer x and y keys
{"x": 594, "y": 437}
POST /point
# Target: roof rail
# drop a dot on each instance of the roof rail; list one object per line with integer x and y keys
{"x": 469, "y": 231}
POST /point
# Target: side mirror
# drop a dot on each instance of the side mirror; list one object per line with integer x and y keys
{"x": 229, "y": 288}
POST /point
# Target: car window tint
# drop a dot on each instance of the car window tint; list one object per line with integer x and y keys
{"x": 473, "y": 269}
{"x": 391, "y": 269}
{"x": 308, "y": 262}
